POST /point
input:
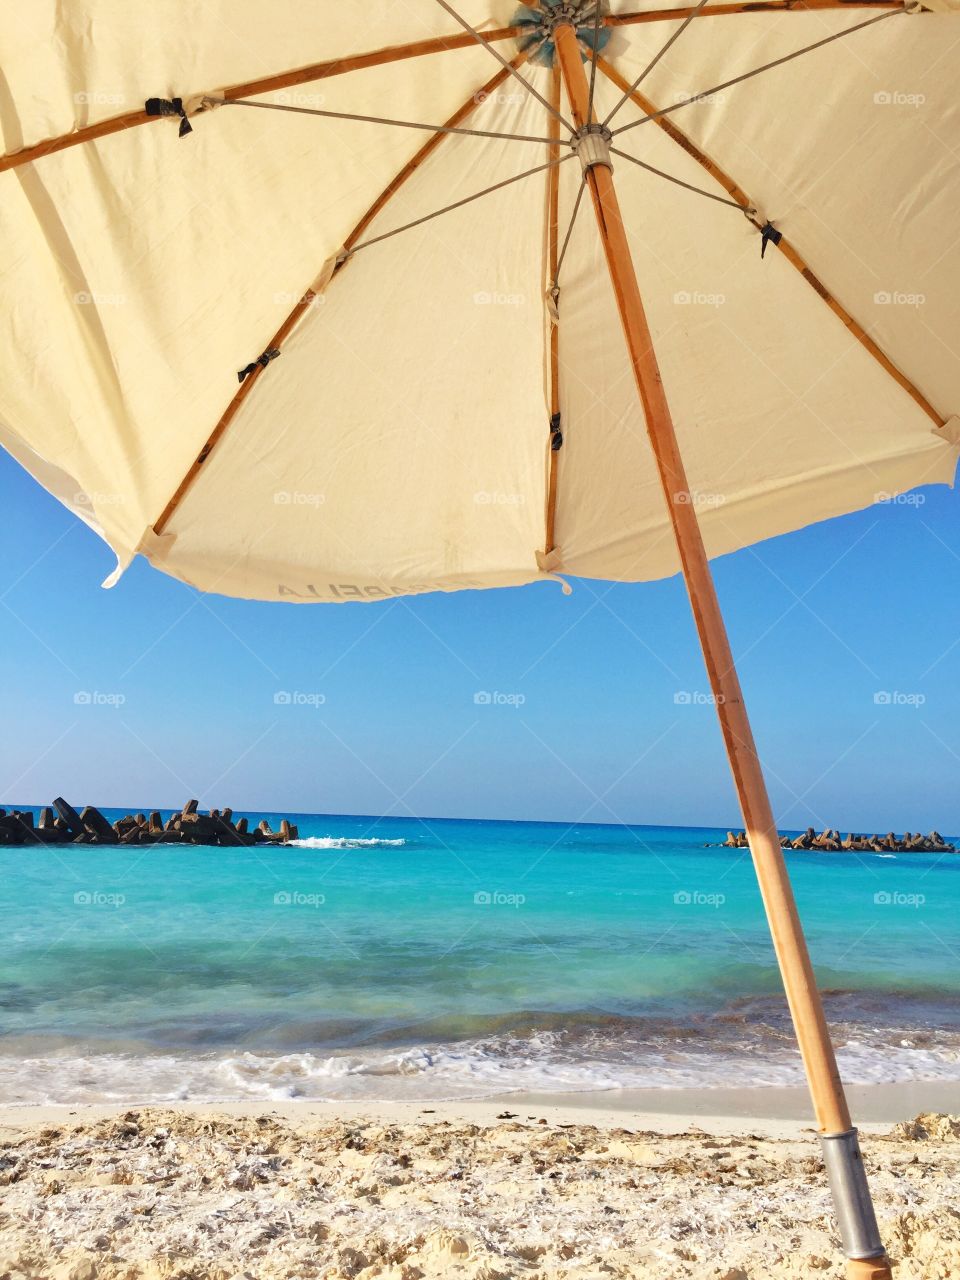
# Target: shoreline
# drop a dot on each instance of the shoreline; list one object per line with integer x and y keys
{"x": 773, "y": 1111}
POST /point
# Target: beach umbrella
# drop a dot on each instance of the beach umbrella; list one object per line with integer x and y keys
{"x": 348, "y": 302}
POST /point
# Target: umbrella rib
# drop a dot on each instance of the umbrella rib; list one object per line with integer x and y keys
{"x": 786, "y": 248}
{"x": 503, "y": 62}
{"x": 553, "y": 353}
{"x": 403, "y": 124}
{"x": 266, "y": 84}
{"x": 711, "y": 195}
{"x": 458, "y": 204}
{"x": 653, "y": 61}
{"x": 767, "y": 66}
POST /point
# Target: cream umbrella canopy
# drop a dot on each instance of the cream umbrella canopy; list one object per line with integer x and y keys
{"x": 339, "y": 325}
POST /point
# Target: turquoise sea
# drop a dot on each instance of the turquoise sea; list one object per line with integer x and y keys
{"x": 428, "y": 959}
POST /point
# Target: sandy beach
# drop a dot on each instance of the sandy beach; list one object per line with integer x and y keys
{"x": 544, "y": 1189}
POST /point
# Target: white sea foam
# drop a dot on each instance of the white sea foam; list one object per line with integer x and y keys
{"x": 345, "y": 842}
{"x": 472, "y": 1069}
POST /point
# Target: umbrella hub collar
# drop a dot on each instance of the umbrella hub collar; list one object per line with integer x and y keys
{"x": 538, "y": 21}
{"x": 592, "y": 145}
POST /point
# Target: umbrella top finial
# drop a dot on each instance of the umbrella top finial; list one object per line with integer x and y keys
{"x": 539, "y": 21}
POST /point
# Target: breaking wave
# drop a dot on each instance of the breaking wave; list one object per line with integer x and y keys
{"x": 345, "y": 842}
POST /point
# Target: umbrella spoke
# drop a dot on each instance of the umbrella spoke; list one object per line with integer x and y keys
{"x": 767, "y": 66}
{"x": 653, "y": 61}
{"x": 746, "y": 6}
{"x": 458, "y": 204}
{"x": 566, "y": 238}
{"x": 711, "y": 195}
{"x": 595, "y": 54}
{"x": 503, "y": 61}
{"x": 402, "y": 124}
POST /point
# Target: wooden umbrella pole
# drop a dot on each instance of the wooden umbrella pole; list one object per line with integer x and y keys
{"x": 855, "y": 1211}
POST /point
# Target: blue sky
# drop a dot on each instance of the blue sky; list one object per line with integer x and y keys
{"x": 382, "y": 716}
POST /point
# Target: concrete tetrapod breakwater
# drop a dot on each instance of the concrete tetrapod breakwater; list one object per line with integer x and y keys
{"x": 62, "y": 824}
{"x": 829, "y": 841}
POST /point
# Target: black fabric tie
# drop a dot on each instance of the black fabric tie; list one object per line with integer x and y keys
{"x": 556, "y": 435}
{"x": 169, "y": 107}
{"x": 769, "y": 235}
{"x": 261, "y": 362}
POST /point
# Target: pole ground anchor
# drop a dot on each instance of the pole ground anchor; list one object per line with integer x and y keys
{"x": 856, "y": 1219}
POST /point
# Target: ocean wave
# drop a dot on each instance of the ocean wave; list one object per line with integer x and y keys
{"x": 543, "y": 1062}
{"x": 345, "y": 842}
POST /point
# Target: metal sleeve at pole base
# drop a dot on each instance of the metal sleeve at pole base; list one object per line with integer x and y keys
{"x": 856, "y": 1219}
